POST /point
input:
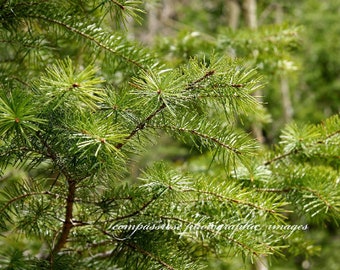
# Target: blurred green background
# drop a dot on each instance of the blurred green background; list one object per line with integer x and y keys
{"x": 296, "y": 47}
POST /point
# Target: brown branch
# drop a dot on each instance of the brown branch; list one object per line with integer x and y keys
{"x": 135, "y": 212}
{"x": 330, "y": 135}
{"x": 68, "y": 224}
{"x": 141, "y": 126}
{"x": 202, "y": 135}
{"x": 20, "y": 80}
{"x": 139, "y": 249}
{"x": 210, "y": 73}
{"x": 206, "y": 75}
{"x": 128, "y": 198}
{"x": 295, "y": 151}
{"x": 205, "y": 136}
{"x": 237, "y": 85}
{"x": 268, "y": 162}
{"x": 233, "y": 85}
{"x": 69, "y": 201}
{"x": 118, "y": 4}
{"x": 144, "y": 206}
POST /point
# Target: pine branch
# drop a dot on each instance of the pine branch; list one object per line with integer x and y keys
{"x": 243, "y": 246}
{"x": 274, "y": 190}
{"x": 54, "y": 157}
{"x": 69, "y": 202}
{"x": 139, "y": 249}
{"x": 101, "y": 256}
{"x": 163, "y": 105}
{"x": 202, "y": 135}
{"x": 141, "y": 125}
{"x": 319, "y": 196}
{"x": 192, "y": 85}
{"x": 236, "y": 201}
{"x": 118, "y": 4}
{"x": 189, "y": 87}
{"x": 80, "y": 140}
{"x": 148, "y": 254}
{"x": 141, "y": 209}
{"x": 301, "y": 150}
{"x": 20, "y": 80}
{"x": 108, "y": 201}
{"x": 297, "y": 188}
{"x": 90, "y": 38}
{"x": 329, "y": 136}
{"x": 279, "y": 157}
{"x": 23, "y": 196}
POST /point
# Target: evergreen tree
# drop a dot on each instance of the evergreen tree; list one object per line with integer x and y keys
{"x": 80, "y": 102}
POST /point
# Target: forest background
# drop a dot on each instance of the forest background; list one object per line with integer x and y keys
{"x": 293, "y": 45}
{"x": 303, "y": 71}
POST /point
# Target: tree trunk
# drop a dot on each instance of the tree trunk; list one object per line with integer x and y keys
{"x": 249, "y": 9}
{"x": 261, "y": 263}
{"x": 153, "y": 23}
{"x": 285, "y": 94}
{"x": 284, "y": 83}
{"x": 233, "y": 13}
{"x": 159, "y": 19}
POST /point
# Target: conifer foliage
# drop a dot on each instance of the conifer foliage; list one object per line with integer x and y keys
{"x": 79, "y": 101}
